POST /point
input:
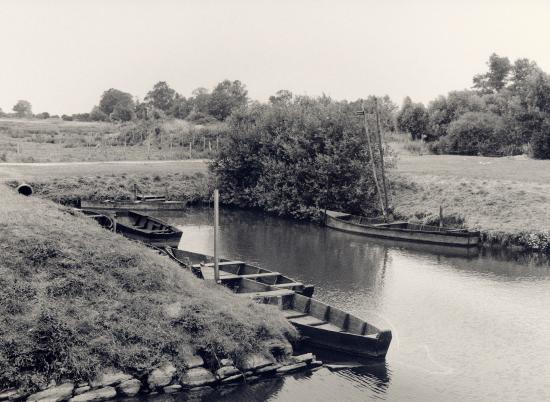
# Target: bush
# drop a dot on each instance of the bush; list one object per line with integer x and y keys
{"x": 476, "y": 133}
{"x": 540, "y": 142}
{"x": 294, "y": 159}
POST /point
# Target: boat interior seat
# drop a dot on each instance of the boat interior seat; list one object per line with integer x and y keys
{"x": 292, "y": 313}
{"x": 268, "y": 294}
{"x": 263, "y": 275}
{"x": 330, "y": 327}
{"x": 149, "y": 225}
{"x": 141, "y": 222}
{"x": 307, "y": 320}
{"x": 288, "y": 285}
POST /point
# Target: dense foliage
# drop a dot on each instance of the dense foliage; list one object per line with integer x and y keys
{"x": 296, "y": 156}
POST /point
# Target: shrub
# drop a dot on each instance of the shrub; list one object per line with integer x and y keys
{"x": 475, "y": 133}
{"x": 540, "y": 142}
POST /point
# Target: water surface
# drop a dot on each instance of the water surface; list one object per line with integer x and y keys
{"x": 466, "y": 326}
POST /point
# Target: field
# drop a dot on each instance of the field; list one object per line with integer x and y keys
{"x": 56, "y": 140}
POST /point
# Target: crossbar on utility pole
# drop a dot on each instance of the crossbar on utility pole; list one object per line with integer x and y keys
{"x": 216, "y": 224}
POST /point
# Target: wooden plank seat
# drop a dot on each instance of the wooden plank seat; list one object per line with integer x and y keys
{"x": 222, "y": 263}
{"x": 331, "y": 327}
{"x": 307, "y": 320}
{"x": 264, "y": 275}
{"x": 288, "y": 285}
{"x": 270, "y": 293}
{"x": 292, "y": 313}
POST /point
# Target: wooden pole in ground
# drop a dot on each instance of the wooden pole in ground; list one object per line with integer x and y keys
{"x": 381, "y": 154}
{"x": 371, "y": 154}
{"x": 440, "y": 216}
{"x": 190, "y": 150}
{"x": 216, "y": 224}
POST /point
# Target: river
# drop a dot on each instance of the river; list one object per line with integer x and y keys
{"x": 466, "y": 326}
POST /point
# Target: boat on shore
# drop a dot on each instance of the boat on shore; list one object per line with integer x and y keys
{"x": 232, "y": 271}
{"x": 401, "y": 230}
{"x": 147, "y": 229}
{"x": 319, "y": 324}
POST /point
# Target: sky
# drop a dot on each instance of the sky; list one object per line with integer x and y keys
{"x": 62, "y": 55}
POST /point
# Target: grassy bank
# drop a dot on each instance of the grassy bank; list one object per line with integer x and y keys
{"x": 507, "y": 199}
{"x": 77, "y": 299}
{"x": 175, "y": 186}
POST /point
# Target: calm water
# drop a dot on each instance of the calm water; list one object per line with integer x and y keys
{"x": 465, "y": 327}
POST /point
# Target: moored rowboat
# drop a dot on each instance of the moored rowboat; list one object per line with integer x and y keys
{"x": 147, "y": 229}
{"x": 319, "y": 324}
{"x": 403, "y": 231}
{"x": 232, "y": 271}
{"x": 143, "y": 204}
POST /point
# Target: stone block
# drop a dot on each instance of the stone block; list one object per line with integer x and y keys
{"x": 130, "y": 387}
{"x": 161, "y": 376}
{"x": 197, "y": 377}
{"x": 96, "y": 395}
{"x": 53, "y": 394}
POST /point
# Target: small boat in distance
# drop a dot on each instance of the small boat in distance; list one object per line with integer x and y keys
{"x": 401, "y": 230}
{"x": 319, "y": 324}
{"x": 141, "y": 203}
{"x": 232, "y": 272}
{"x": 146, "y": 229}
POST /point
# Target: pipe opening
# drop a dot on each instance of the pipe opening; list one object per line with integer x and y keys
{"x": 24, "y": 189}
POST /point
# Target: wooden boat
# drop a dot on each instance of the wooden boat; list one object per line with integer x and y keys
{"x": 104, "y": 220}
{"x": 147, "y": 229}
{"x": 403, "y": 231}
{"x": 232, "y": 271}
{"x": 319, "y": 324}
{"x": 141, "y": 202}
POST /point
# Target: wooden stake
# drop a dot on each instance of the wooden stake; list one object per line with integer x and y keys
{"x": 381, "y": 153}
{"x": 216, "y": 224}
{"x": 441, "y": 216}
{"x": 371, "y": 154}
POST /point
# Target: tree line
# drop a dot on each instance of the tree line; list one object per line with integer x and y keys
{"x": 506, "y": 112}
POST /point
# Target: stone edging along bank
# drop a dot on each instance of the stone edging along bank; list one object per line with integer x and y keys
{"x": 166, "y": 379}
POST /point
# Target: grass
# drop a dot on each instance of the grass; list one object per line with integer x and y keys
{"x": 176, "y": 186}
{"x": 76, "y": 299}
{"x": 56, "y": 140}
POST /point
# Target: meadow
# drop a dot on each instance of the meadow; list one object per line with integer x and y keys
{"x": 56, "y": 140}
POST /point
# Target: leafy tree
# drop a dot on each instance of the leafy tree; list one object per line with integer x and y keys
{"x": 497, "y": 76}
{"x": 281, "y": 97}
{"x": 161, "y": 96}
{"x": 181, "y": 107}
{"x": 2, "y": 114}
{"x": 412, "y": 118}
{"x": 226, "y": 97}
{"x": 199, "y": 100}
{"x": 122, "y": 112}
{"x": 113, "y": 97}
{"x": 43, "y": 115}
{"x": 98, "y": 115}
{"x": 23, "y": 108}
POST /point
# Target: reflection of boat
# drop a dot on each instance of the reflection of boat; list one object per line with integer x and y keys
{"x": 233, "y": 271}
{"x": 401, "y": 230}
{"x": 147, "y": 229}
{"x": 104, "y": 220}
{"x": 319, "y": 324}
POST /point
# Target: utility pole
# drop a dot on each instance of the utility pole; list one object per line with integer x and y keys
{"x": 216, "y": 224}
{"x": 363, "y": 113}
{"x": 381, "y": 153}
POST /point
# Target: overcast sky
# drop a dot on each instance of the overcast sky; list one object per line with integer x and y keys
{"x": 61, "y": 55}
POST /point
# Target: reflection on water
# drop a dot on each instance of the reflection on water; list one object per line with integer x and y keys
{"x": 466, "y": 326}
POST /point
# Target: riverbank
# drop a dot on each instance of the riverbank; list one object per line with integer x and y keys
{"x": 80, "y": 303}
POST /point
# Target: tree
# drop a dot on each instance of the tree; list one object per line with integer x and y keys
{"x": 122, "y": 112}
{"x": 412, "y": 118}
{"x": 540, "y": 142}
{"x": 497, "y": 76}
{"x": 181, "y": 107}
{"x": 161, "y": 96}
{"x": 226, "y": 97}
{"x": 98, "y": 115}
{"x": 281, "y": 97}
{"x": 2, "y": 114}
{"x": 476, "y": 133}
{"x": 199, "y": 100}
{"x": 113, "y": 97}
{"x": 43, "y": 115}
{"x": 23, "y": 108}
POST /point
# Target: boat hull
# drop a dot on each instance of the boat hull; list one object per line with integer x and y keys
{"x": 469, "y": 239}
{"x": 135, "y": 205}
{"x": 171, "y": 239}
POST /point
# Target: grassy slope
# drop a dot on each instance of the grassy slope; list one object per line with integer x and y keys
{"x": 76, "y": 298}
